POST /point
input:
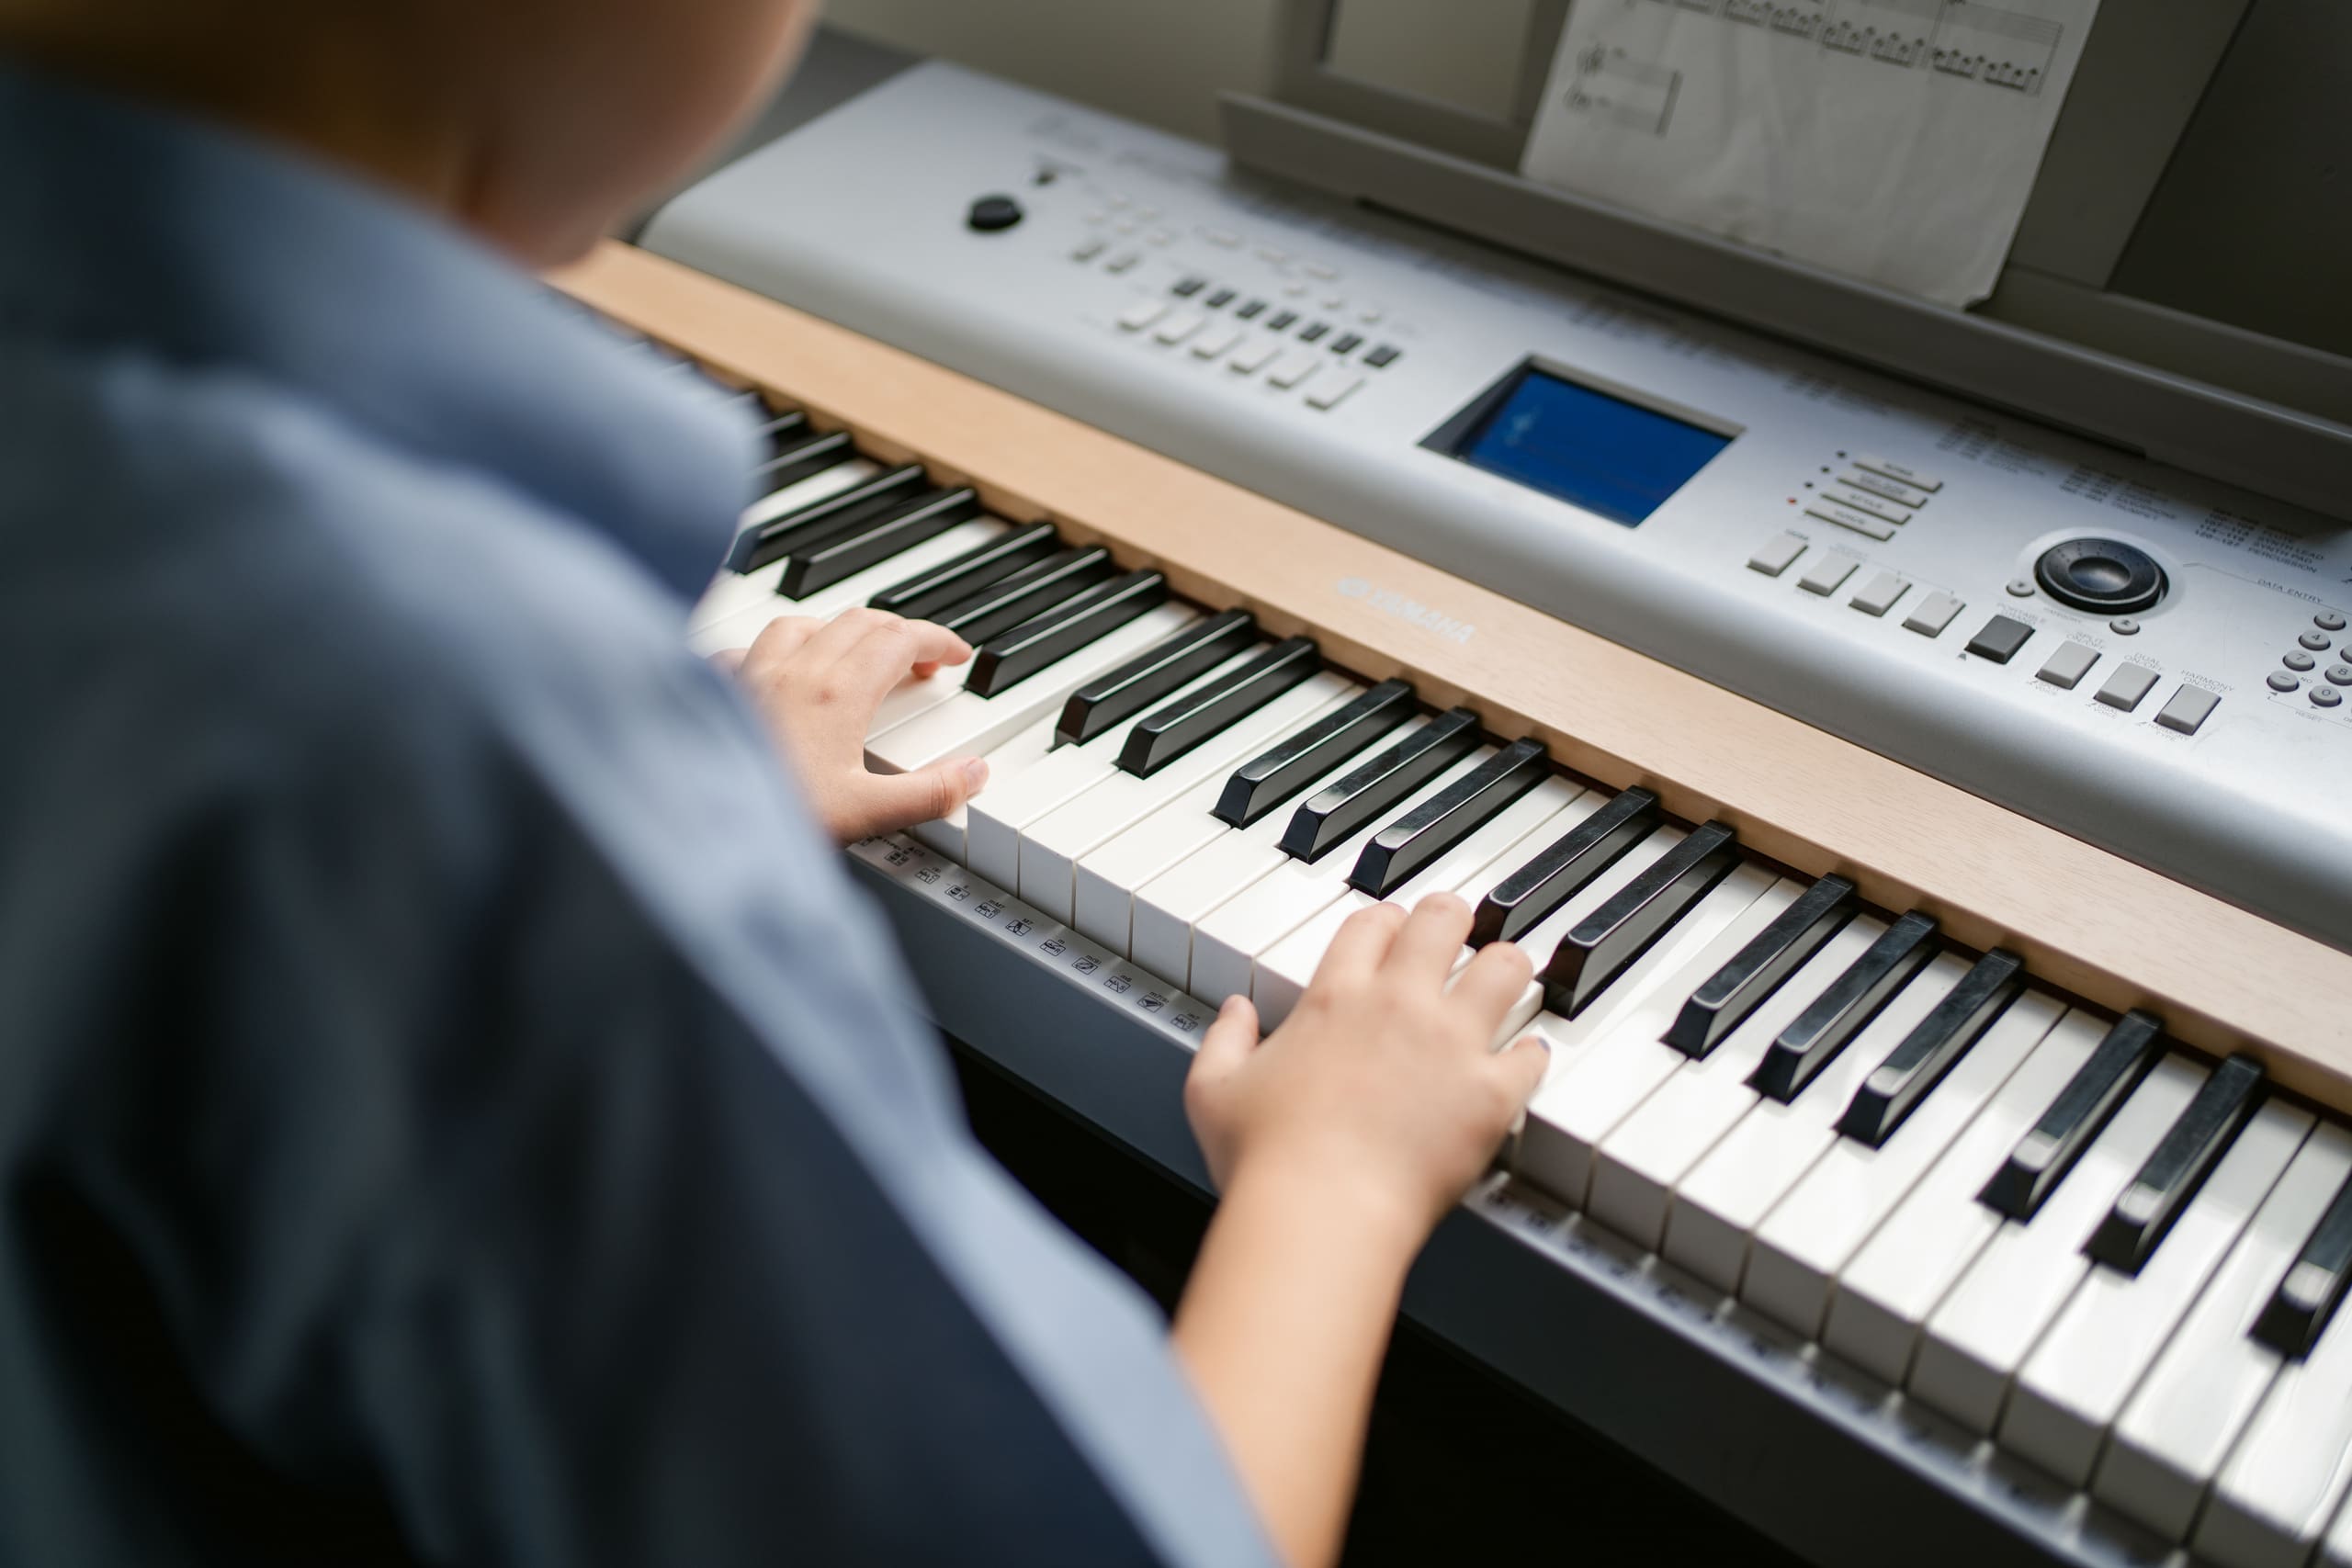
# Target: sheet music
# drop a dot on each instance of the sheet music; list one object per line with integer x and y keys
{"x": 1895, "y": 140}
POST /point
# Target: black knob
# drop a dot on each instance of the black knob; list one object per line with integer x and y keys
{"x": 991, "y": 213}
{"x": 2106, "y": 576}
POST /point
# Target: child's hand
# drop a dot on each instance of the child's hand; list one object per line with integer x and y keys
{"x": 1381, "y": 1087}
{"x": 818, "y": 684}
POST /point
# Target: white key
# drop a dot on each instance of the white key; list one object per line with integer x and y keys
{"x": 1177, "y": 327}
{"x": 1227, "y": 940}
{"x": 2178, "y": 1425}
{"x": 1166, "y": 908}
{"x": 2077, "y": 1379}
{"x": 2291, "y": 1468}
{"x": 1002, "y": 810}
{"x": 733, "y": 591}
{"x": 1579, "y": 1105}
{"x": 1653, "y": 1150}
{"x": 1720, "y": 1204}
{"x": 1109, "y": 875}
{"x": 2336, "y": 1551}
{"x": 967, "y": 722}
{"x": 1052, "y": 846}
{"x": 1812, "y": 1233}
{"x": 737, "y": 630}
{"x": 1885, "y": 1294}
{"x": 1981, "y": 1332}
{"x": 1285, "y": 969}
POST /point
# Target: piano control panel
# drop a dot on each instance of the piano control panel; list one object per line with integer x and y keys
{"x": 2145, "y": 658}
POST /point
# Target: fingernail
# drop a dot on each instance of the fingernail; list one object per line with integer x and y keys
{"x": 976, "y": 774}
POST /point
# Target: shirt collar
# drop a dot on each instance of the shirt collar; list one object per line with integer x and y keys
{"x": 127, "y": 225}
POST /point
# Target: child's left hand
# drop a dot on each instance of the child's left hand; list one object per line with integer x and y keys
{"x": 817, "y": 683}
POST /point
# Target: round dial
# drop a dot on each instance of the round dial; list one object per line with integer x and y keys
{"x": 2106, "y": 577}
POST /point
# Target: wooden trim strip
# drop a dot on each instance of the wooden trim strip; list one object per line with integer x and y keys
{"x": 2087, "y": 920}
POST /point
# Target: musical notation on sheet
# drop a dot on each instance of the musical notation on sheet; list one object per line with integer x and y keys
{"x": 1893, "y": 140}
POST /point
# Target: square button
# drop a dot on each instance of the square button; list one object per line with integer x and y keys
{"x": 1932, "y": 614}
{"x": 2188, "y": 709}
{"x": 2000, "y": 639}
{"x": 2068, "y": 666}
{"x": 1879, "y": 594}
{"x": 1776, "y": 555}
{"x": 1824, "y": 576}
{"x": 2127, "y": 686}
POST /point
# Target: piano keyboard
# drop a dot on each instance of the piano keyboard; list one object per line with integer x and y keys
{"x": 2052, "y": 1254}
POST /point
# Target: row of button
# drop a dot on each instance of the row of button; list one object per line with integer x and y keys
{"x": 1210, "y": 339}
{"x": 1873, "y": 496}
{"x": 1347, "y": 342}
{"x": 2000, "y": 639}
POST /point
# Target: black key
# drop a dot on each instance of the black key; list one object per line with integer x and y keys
{"x": 1756, "y": 971}
{"x": 1524, "y": 897}
{"x": 797, "y": 461}
{"x": 1814, "y": 1040}
{"x": 1912, "y": 1069}
{"x": 1251, "y": 310}
{"x": 1152, "y": 674}
{"x": 780, "y": 536}
{"x": 1219, "y": 301}
{"x": 1185, "y": 287}
{"x": 1338, "y": 812}
{"x": 1313, "y": 330}
{"x": 1281, "y": 319}
{"x": 2191, "y": 1148}
{"x": 1383, "y": 356}
{"x": 1027, "y": 593}
{"x": 2297, "y": 1312}
{"x": 927, "y": 592}
{"x": 1607, "y": 941}
{"x": 1347, "y": 342}
{"x": 1053, "y": 637}
{"x": 1272, "y": 777}
{"x": 1162, "y": 737}
{"x": 2044, "y": 1156}
{"x": 1399, "y": 852}
{"x": 777, "y": 432}
{"x": 849, "y": 551}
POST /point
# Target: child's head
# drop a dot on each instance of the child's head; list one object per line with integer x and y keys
{"x": 536, "y": 122}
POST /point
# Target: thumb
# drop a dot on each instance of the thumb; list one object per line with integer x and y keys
{"x": 1231, "y": 1036}
{"x": 888, "y": 801}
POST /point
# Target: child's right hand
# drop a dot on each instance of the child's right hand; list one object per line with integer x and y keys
{"x": 1381, "y": 1087}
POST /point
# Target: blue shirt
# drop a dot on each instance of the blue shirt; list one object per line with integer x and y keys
{"x": 453, "y": 1107}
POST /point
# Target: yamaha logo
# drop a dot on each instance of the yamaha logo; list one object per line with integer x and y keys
{"x": 1388, "y": 602}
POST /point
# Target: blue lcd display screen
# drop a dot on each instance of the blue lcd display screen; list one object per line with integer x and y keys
{"x": 1601, "y": 453}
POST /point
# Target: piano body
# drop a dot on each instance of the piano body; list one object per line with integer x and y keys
{"x": 1907, "y": 742}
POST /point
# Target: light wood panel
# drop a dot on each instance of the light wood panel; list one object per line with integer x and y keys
{"x": 2086, "y": 921}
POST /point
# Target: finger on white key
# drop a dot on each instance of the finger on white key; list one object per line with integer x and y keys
{"x": 967, "y": 723}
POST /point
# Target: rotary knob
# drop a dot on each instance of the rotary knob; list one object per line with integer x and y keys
{"x": 2106, "y": 577}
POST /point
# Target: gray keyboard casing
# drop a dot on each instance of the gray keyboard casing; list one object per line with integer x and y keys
{"x": 858, "y": 216}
